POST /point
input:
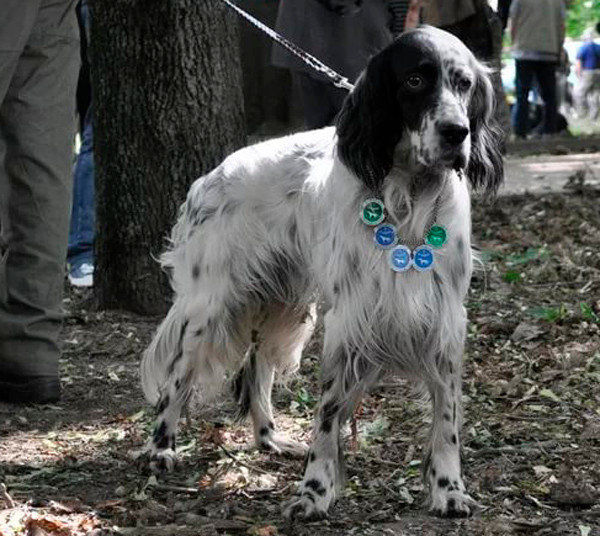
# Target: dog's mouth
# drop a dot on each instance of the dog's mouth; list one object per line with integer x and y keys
{"x": 459, "y": 162}
{"x": 455, "y": 158}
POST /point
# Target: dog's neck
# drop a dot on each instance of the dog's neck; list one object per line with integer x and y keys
{"x": 411, "y": 197}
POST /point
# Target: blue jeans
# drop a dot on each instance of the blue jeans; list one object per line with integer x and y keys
{"x": 81, "y": 231}
{"x": 545, "y": 74}
{"x": 83, "y": 216}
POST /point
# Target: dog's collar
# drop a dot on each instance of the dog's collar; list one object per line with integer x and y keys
{"x": 385, "y": 236}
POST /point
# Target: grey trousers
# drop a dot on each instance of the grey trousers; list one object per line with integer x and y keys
{"x": 588, "y": 94}
{"x": 39, "y": 64}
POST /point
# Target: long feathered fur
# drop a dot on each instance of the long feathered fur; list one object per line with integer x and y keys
{"x": 276, "y": 226}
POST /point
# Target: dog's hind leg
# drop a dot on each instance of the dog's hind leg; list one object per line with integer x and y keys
{"x": 168, "y": 410}
{"x": 276, "y": 346}
{"x": 180, "y": 376}
{"x": 176, "y": 361}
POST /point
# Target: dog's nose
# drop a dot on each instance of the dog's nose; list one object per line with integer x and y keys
{"x": 453, "y": 134}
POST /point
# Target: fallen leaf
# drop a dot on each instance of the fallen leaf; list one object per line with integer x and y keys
{"x": 267, "y": 530}
{"x": 547, "y": 393}
{"x": 526, "y": 332}
{"x": 541, "y": 470}
{"x": 47, "y": 523}
{"x": 570, "y": 493}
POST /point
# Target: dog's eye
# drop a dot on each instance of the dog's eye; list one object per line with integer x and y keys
{"x": 464, "y": 84}
{"x": 414, "y": 82}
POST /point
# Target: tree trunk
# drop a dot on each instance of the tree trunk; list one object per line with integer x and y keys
{"x": 167, "y": 108}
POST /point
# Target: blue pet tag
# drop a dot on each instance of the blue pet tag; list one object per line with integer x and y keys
{"x": 385, "y": 236}
{"x": 423, "y": 258}
{"x": 400, "y": 258}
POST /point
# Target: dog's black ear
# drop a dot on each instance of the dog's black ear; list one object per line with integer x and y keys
{"x": 485, "y": 169}
{"x": 369, "y": 125}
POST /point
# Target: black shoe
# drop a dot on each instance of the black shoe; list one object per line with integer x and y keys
{"x": 36, "y": 390}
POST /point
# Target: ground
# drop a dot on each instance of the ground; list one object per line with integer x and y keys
{"x": 531, "y": 435}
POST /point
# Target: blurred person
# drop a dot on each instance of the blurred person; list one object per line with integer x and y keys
{"x": 80, "y": 252}
{"x": 413, "y": 14}
{"x": 39, "y": 62}
{"x": 563, "y": 88}
{"x": 269, "y": 104}
{"x": 587, "y": 69}
{"x": 537, "y": 30}
{"x": 503, "y": 11}
{"x": 343, "y": 34}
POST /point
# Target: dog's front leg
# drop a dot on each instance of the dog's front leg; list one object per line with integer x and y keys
{"x": 345, "y": 378}
{"x": 323, "y": 472}
{"x": 443, "y": 472}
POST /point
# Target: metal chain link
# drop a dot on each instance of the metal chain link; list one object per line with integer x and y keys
{"x": 337, "y": 79}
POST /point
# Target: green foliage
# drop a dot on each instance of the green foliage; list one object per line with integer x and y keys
{"x": 376, "y": 429}
{"x": 512, "y": 276}
{"x": 304, "y": 399}
{"x": 588, "y": 313}
{"x": 581, "y": 15}
{"x": 531, "y": 254}
{"x": 490, "y": 255}
{"x": 551, "y": 314}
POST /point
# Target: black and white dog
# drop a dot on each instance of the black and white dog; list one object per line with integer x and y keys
{"x": 281, "y": 224}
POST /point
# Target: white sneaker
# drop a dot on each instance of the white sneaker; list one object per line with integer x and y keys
{"x": 82, "y": 276}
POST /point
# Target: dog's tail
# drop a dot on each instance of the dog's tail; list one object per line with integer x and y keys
{"x": 161, "y": 354}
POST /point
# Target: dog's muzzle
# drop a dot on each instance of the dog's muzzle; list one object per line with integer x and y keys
{"x": 453, "y": 136}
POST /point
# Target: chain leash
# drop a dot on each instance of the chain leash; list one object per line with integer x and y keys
{"x": 337, "y": 79}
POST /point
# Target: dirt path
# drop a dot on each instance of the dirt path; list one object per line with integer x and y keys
{"x": 550, "y": 173}
{"x": 532, "y": 414}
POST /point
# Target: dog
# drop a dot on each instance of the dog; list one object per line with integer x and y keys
{"x": 287, "y": 222}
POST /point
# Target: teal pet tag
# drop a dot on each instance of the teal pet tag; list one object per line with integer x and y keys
{"x": 437, "y": 236}
{"x": 372, "y": 211}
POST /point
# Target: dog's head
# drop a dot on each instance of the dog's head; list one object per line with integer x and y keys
{"x": 424, "y": 100}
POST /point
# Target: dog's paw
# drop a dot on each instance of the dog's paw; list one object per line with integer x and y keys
{"x": 304, "y": 508}
{"x": 452, "y": 503}
{"x": 311, "y": 501}
{"x": 281, "y": 445}
{"x": 162, "y": 461}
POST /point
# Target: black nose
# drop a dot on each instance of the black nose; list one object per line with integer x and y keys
{"x": 453, "y": 134}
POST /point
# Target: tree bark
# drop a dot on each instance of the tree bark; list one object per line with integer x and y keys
{"x": 167, "y": 108}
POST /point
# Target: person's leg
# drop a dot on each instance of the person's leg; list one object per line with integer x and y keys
{"x": 523, "y": 81}
{"x": 581, "y": 93}
{"x": 16, "y": 24}
{"x": 37, "y": 120}
{"x": 316, "y": 103}
{"x": 545, "y": 72}
{"x": 595, "y": 95}
{"x": 81, "y": 233}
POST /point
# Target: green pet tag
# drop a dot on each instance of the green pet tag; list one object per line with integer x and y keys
{"x": 437, "y": 236}
{"x": 372, "y": 212}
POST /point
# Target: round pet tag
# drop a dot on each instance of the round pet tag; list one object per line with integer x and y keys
{"x": 372, "y": 211}
{"x": 400, "y": 259}
{"x": 385, "y": 236}
{"x": 423, "y": 258}
{"x": 437, "y": 236}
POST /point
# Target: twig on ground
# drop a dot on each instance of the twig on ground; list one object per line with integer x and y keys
{"x": 526, "y": 448}
{"x": 4, "y": 495}
{"x": 176, "y": 489}
{"x": 243, "y": 464}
